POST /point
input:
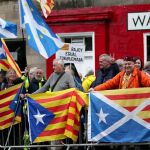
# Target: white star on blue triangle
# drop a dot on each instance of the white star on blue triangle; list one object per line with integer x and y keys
{"x": 38, "y": 118}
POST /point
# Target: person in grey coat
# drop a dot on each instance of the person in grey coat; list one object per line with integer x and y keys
{"x": 66, "y": 80}
{"x": 58, "y": 80}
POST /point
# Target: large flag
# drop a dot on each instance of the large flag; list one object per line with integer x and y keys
{"x": 7, "y": 98}
{"x": 47, "y": 6}
{"x": 40, "y": 37}
{"x": 119, "y": 115}
{"x": 10, "y": 59}
{"x": 55, "y": 115}
{"x": 7, "y": 30}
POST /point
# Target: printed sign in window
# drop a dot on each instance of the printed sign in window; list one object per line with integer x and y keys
{"x": 75, "y": 54}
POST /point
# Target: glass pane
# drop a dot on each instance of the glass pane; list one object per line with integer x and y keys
{"x": 78, "y": 40}
{"x": 67, "y": 40}
{"x": 88, "y": 44}
{"x": 148, "y": 48}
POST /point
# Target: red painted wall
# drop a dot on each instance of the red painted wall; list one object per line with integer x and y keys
{"x": 109, "y": 25}
{"x": 124, "y": 42}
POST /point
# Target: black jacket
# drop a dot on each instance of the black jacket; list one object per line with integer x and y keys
{"x": 34, "y": 85}
{"x": 104, "y": 75}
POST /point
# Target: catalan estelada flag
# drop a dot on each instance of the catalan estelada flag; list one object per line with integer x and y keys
{"x": 119, "y": 115}
{"x": 55, "y": 115}
{"x": 10, "y": 59}
{"x": 7, "y": 98}
{"x": 4, "y": 64}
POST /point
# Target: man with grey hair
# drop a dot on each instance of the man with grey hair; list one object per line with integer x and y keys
{"x": 59, "y": 79}
{"x": 108, "y": 69}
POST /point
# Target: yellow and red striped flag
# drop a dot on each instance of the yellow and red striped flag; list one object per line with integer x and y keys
{"x": 10, "y": 59}
{"x": 8, "y": 97}
{"x": 119, "y": 115}
{"x": 56, "y": 115}
{"x": 46, "y": 6}
{"x": 4, "y": 64}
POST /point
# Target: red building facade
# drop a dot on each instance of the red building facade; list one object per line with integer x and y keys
{"x": 110, "y": 28}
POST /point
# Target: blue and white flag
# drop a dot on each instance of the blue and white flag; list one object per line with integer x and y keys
{"x": 115, "y": 117}
{"x": 7, "y": 30}
{"x": 40, "y": 37}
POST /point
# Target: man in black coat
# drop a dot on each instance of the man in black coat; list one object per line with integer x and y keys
{"x": 108, "y": 70}
{"x": 37, "y": 82}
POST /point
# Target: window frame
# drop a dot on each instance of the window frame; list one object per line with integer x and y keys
{"x": 82, "y": 34}
{"x": 145, "y": 46}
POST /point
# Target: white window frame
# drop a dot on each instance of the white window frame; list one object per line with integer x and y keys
{"x": 82, "y": 34}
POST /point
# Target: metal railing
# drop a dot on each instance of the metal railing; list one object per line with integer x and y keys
{"x": 16, "y": 141}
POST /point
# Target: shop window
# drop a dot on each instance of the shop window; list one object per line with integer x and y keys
{"x": 86, "y": 38}
{"x": 148, "y": 48}
{"x": 80, "y": 40}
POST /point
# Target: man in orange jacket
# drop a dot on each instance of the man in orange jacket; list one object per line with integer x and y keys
{"x": 129, "y": 78}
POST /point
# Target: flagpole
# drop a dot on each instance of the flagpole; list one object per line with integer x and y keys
{"x": 10, "y": 129}
{"x": 22, "y": 34}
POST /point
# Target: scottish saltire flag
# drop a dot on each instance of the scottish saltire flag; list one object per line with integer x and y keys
{"x": 55, "y": 115}
{"x": 7, "y": 98}
{"x": 7, "y": 30}
{"x": 46, "y": 6}
{"x": 119, "y": 115}
{"x": 40, "y": 37}
{"x": 10, "y": 59}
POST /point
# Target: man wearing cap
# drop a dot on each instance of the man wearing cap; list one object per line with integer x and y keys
{"x": 129, "y": 78}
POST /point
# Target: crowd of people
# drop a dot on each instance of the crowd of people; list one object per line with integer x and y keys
{"x": 128, "y": 72}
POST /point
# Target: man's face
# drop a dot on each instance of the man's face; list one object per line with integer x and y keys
{"x": 128, "y": 66}
{"x": 57, "y": 67}
{"x": 38, "y": 74}
{"x": 103, "y": 63}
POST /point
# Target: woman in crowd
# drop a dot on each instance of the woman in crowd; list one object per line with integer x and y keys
{"x": 70, "y": 67}
{"x": 138, "y": 63}
{"x": 10, "y": 77}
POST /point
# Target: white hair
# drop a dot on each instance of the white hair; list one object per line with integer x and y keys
{"x": 106, "y": 56}
{"x": 59, "y": 61}
{"x": 32, "y": 70}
